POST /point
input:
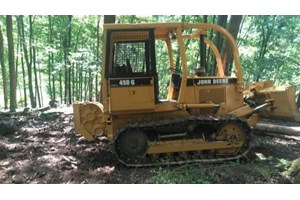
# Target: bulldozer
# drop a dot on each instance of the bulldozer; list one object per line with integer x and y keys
{"x": 202, "y": 119}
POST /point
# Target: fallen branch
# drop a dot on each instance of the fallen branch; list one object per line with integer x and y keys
{"x": 289, "y": 137}
{"x": 278, "y": 129}
{"x": 42, "y": 109}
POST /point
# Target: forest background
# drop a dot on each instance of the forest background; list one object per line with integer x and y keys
{"x": 58, "y": 57}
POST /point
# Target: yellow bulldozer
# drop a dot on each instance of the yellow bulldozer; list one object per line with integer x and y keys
{"x": 203, "y": 118}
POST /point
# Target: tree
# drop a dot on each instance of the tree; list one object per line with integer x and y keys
{"x": 203, "y": 47}
{"x": 33, "y": 57}
{"x": 3, "y": 69}
{"x": 218, "y": 40}
{"x": 267, "y": 29}
{"x": 269, "y": 49}
{"x": 28, "y": 59}
{"x": 233, "y": 28}
{"x": 97, "y": 59}
{"x": 298, "y": 101}
{"x": 67, "y": 49}
{"x": 11, "y": 59}
{"x": 51, "y": 78}
{"x": 22, "y": 62}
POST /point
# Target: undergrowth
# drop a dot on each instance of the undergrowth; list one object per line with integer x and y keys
{"x": 232, "y": 172}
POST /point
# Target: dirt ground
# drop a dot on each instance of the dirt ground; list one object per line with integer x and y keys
{"x": 43, "y": 148}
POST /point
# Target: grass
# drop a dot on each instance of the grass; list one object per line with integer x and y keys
{"x": 181, "y": 175}
{"x": 233, "y": 172}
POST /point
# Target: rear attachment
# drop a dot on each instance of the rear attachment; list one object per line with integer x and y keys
{"x": 89, "y": 119}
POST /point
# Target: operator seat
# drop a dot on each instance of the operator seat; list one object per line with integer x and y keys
{"x": 176, "y": 81}
{"x": 123, "y": 70}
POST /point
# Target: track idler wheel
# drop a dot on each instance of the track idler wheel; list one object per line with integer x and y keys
{"x": 233, "y": 133}
{"x": 133, "y": 144}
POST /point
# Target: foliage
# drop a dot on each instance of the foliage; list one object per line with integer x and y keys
{"x": 268, "y": 45}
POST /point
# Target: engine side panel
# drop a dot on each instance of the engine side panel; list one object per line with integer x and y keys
{"x": 222, "y": 93}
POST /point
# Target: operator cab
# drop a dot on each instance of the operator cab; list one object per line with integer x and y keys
{"x": 131, "y": 77}
{"x": 131, "y": 70}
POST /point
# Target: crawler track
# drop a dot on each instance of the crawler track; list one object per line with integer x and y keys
{"x": 154, "y": 128}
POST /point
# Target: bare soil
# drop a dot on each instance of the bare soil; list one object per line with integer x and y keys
{"x": 43, "y": 148}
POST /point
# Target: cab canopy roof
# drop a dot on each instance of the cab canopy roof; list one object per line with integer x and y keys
{"x": 166, "y": 30}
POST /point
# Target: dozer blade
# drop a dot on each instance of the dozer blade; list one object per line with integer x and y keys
{"x": 88, "y": 119}
{"x": 280, "y": 98}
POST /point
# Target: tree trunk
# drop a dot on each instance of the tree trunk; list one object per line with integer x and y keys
{"x": 22, "y": 62}
{"x": 17, "y": 72}
{"x": 203, "y": 48}
{"x": 31, "y": 61}
{"x": 80, "y": 83}
{"x": 28, "y": 61}
{"x": 53, "y": 77}
{"x": 69, "y": 63}
{"x": 61, "y": 87}
{"x": 233, "y": 28}
{"x": 12, "y": 70}
{"x": 298, "y": 101}
{"x": 42, "y": 109}
{"x": 98, "y": 68}
{"x": 65, "y": 42}
{"x": 67, "y": 50}
{"x": 50, "y": 76}
{"x": 3, "y": 69}
{"x": 49, "y": 57}
{"x": 266, "y": 32}
{"x": 33, "y": 58}
{"x": 90, "y": 82}
{"x": 74, "y": 67}
{"x": 36, "y": 77}
{"x": 40, "y": 87}
{"x": 222, "y": 21}
{"x": 209, "y": 57}
{"x": 24, "y": 81}
{"x": 285, "y": 130}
